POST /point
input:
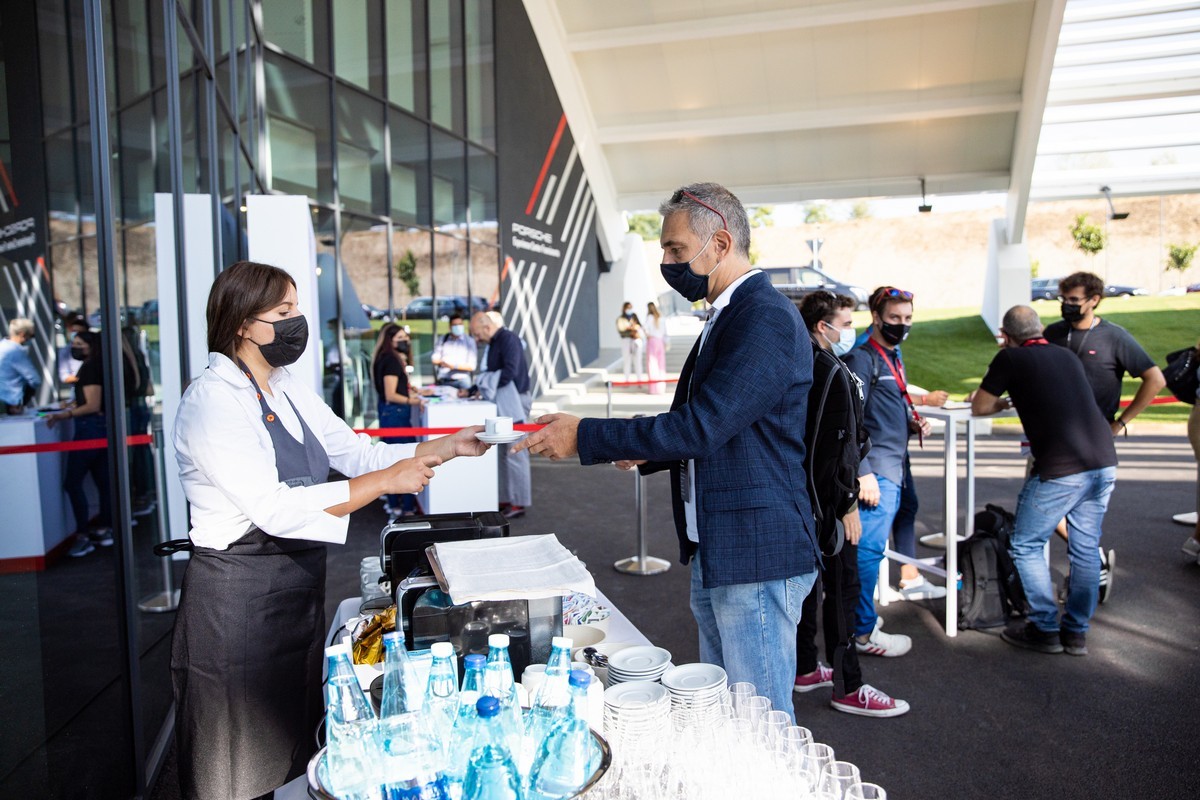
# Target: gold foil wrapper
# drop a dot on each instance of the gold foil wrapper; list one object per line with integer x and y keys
{"x": 368, "y": 640}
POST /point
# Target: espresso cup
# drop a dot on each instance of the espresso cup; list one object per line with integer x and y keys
{"x": 498, "y": 426}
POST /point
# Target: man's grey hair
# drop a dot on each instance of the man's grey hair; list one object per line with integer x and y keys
{"x": 702, "y": 221}
{"x": 1021, "y": 323}
{"x": 20, "y": 327}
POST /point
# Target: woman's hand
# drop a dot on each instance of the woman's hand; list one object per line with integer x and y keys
{"x": 54, "y": 418}
{"x": 464, "y": 442}
{"x": 410, "y": 475}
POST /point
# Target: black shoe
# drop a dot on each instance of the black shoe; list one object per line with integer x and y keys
{"x": 1074, "y": 643}
{"x": 102, "y": 537}
{"x": 1031, "y": 637}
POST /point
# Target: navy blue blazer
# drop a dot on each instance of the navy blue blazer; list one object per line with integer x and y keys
{"x": 743, "y": 424}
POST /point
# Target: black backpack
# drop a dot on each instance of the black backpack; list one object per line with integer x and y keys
{"x": 991, "y": 590}
{"x": 1180, "y": 373}
{"x": 836, "y": 441}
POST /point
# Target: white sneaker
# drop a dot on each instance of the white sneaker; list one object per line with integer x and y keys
{"x": 920, "y": 589}
{"x": 1191, "y": 547}
{"x": 888, "y": 645}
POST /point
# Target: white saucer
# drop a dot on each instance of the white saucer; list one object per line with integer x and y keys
{"x": 643, "y": 659}
{"x": 694, "y": 678}
{"x": 500, "y": 438}
{"x": 634, "y": 693}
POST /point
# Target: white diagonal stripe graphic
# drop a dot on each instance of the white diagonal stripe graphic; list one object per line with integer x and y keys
{"x": 571, "y": 159}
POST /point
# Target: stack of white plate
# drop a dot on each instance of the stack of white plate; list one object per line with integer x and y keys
{"x": 641, "y": 663}
{"x": 699, "y": 692}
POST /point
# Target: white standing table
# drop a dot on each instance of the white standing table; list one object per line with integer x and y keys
{"x": 949, "y": 534}
{"x": 464, "y": 484}
{"x": 35, "y": 519}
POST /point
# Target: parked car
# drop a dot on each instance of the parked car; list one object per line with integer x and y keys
{"x": 1195, "y": 287}
{"x": 1044, "y": 288}
{"x": 1117, "y": 290}
{"x": 422, "y": 307}
{"x": 1047, "y": 289}
{"x": 796, "y": 282}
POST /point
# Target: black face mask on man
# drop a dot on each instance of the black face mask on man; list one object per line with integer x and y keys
{"x": 291, "y": 337}
{"x": 1072, "y": 312}
{"x": 894, "y": 332}
{"x": 680, "y": 277}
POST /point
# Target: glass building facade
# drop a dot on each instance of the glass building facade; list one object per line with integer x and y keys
{"x": 382, "y": 112}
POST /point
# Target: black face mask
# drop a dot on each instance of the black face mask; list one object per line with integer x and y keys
{"x": 894, "y": 333}
{"x": 680, "y": 277}
{"x": 402, "y": 348}
{"x": 78, "y": 353}
{"x": 1072, "y": 312}
{"x": 291, "y": 337}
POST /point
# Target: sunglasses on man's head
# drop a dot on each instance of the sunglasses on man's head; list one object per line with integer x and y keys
{"x": 892, "y": 291}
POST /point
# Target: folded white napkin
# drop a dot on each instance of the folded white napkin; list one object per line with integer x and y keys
{"x": 511, "y": 568}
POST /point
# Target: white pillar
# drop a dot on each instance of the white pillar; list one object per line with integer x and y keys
{"x": 1006, "y": 283}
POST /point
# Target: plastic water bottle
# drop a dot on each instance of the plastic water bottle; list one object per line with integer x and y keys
{"x": 491, "y": 774}
{"x": 441, "y": 693}
{"x": 462, "y": 735}
{"x": 551, "y": 702}
{"x": 351, "y": 732}
{"x": 410, "y": 756}
{"x": 402, "y": 691}
{"x": 568, "y": 756}
{"x": 498, "y": 682}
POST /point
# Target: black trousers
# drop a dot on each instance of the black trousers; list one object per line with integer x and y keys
{"x": 838, "y": 577}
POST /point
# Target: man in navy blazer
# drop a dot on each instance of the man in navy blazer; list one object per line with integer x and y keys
{"x": 733, "y": 441}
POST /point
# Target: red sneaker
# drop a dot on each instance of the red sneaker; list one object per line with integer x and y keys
{"x": 869, "y": 702}
{"x": 821, "y": 676}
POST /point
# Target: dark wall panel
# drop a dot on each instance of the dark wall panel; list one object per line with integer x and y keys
{"x": 547, "y": 213}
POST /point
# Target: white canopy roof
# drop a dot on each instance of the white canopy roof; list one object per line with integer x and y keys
{"x": 793, "y": 100}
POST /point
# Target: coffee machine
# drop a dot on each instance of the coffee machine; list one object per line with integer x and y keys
{"x": 425, "y": 613}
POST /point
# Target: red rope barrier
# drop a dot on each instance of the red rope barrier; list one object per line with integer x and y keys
{"x": 1158, "y": 401}
{"x": 644, "y": 383}
{"x": 62, "y": 447}
{"x": 526, "y": 427}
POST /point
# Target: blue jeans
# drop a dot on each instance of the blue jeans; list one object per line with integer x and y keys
{"x": 1082, "y": 499}
{"x": 396, "y": 415}
{"x": 876, "y": 527}
{"x": 80, "y": 464}
{"x": 749, "y": 629}
{"x": 904, "y": 528}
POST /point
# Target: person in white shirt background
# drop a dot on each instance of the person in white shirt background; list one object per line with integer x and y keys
{"x": 656, "y": 348}
{"x": 633, "y": 345}
{"x": 255, "y": 447}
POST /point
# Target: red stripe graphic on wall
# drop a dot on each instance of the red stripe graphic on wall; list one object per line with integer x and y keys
{"x": 9, "y": 188}
{"x": 537, "y": 187}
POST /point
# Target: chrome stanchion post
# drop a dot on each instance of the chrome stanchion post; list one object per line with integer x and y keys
{"x": 641, "y": 564}
{"x": 168, "y": 598}
{"x": 608, "y": 388}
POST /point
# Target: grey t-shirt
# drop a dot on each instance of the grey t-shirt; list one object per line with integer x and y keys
{"x": 1107, "y": 351}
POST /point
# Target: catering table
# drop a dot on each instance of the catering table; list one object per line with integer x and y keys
{"x": 949, "y": 535}
{"x": 464, "y": 484}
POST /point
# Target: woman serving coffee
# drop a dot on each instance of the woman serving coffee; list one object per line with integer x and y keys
{"x": 255, "y": 446}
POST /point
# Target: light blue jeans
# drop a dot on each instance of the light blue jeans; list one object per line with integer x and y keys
{"x": 876, "y": 527}
{"x": 1082, "y": 498}
{"x": 749, "y": 629}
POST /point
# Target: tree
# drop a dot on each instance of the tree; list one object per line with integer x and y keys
{"x": 760, "y": 216}
{"x": 406, "y": 272}
{"x": 1179, "y": 256}
{"x": 646, "y": 224}
{"x": 860, "y": 210}
{"x": 1035, "y": 266}
{"x": 816, "y": 213}
{"x": 1088, "y": 238}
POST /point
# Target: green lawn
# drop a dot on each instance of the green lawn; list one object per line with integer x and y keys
{"x": 951, "y": 348}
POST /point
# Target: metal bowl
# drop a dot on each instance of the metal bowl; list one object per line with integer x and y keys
{"x": 318, "y": 791}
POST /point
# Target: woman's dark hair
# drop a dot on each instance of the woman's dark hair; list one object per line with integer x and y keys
{"x": 383, "y": 344}
{"x": 241, "y": 291}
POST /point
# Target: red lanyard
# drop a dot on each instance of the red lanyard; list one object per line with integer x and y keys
{"x": 1031, "y": 342}
{"x": 902, "y": 385}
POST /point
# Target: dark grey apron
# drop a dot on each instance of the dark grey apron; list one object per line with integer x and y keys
{"x": 248, "y": 646}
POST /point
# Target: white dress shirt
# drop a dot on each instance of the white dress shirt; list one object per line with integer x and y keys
{"x": 227, "y": 461}
{"x": 689, "y": 507}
